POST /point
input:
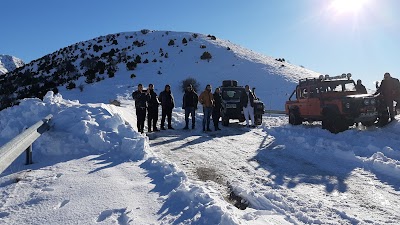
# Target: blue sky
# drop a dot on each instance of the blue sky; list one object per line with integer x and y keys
{"x": 310, "y": 33}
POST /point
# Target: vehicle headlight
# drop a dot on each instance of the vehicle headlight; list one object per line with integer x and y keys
{"x": 348, "y": 105}
{"x": 366, "y": 101}
{"x": 373, "y": 102}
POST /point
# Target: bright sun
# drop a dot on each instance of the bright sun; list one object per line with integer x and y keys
{"x": 348, "y": 6}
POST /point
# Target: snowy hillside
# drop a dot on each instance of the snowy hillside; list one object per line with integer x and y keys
{"x": 9, "y": 63}
{"x": 92, "y": 167}
{"x": 158, "y": 57}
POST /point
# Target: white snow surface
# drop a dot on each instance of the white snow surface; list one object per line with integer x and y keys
{"x": 93, "y": 167}
{"x": 9, "y": 63}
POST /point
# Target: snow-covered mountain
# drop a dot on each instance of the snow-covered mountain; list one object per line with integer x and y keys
{"x": 158, "y": 57}
{"x": 9, "y": 63}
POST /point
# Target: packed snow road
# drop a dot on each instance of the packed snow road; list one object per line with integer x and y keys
{"x": 304, "y": 173}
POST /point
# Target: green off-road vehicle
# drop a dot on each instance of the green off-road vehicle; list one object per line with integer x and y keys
{"x": 231, "y": 106}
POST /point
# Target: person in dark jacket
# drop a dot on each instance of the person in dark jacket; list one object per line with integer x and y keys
{"x": 152, "y": 109}
{"x": 167, "y": 104}
{"x": 247, "y": 102}
{"x": 360, "y": 88}
{"x": 140, "y": 98}
{"x": 190, "y": 101}
{"x": 216, "y": 114}
{"x": 388, "y": 90}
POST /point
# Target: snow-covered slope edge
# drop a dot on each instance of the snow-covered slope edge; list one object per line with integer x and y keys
{"x": 9, "y": 63}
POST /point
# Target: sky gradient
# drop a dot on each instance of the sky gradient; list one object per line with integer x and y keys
{"x": 310, "y": 33}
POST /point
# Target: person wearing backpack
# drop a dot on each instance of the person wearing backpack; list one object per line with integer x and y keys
{"x": 141, "y": 98}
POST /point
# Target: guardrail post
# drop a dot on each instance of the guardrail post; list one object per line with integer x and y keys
{"x": 29, "y": 155}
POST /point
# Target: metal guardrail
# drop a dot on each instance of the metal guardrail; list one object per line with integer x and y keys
{"x": 23, "y": 142}
{"x": 271, "y": 111}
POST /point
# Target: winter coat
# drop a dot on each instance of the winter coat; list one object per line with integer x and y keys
{"x": 389, "y": 88}
{"x": 167, "y": 99}
{"x": 141, "y": 99}
{"x": 152, "y": 100}
{"x": 361, "y": 89}
{"x": 206, "y": 98}
{"x": 190, "y": 99}
{"x": 244, "y": 99}
{"x": 217, "y": 102}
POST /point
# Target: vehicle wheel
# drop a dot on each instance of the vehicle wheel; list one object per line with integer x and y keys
{"x": 258, "y": 119}
{"x": 368, "y": 123}
{"x": 225, "y": 121}
{"x": 334, "y": 123}
{"x": 294, "y": 118}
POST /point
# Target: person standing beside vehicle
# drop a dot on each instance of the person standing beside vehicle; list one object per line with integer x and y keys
{"x": 360, "y": 88}
{"x": 388, "y": 89}
{"x": 152, "y": 109}
{"x": 190, "y": 101}
{"x": 206, "y": 98}
{"x": 247, "y": 102}
{"x": 141, "y": 99}
{"x": 167, "y": 104}
{"x": 216, "y": 114}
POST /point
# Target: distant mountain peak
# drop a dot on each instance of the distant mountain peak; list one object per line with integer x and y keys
{"x": 9, "y": 63}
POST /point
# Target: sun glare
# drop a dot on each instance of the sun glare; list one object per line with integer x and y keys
{"x": 348, "y": 6}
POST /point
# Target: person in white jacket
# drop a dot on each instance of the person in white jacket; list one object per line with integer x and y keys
{"x": 247, "y": 102}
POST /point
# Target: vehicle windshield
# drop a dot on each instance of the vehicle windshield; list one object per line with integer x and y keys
{"x": 342, "y": 86}
{"x": 232, "y": 94}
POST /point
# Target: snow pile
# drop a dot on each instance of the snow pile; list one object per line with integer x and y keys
{"x": 105, "y": 145}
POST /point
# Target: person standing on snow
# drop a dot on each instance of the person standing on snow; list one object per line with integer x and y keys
{"x": 206, "y": 98}
{"x": 190, "y": 101}
{"x": 152, "y": 109}
{"x": 216, "y": 114}
{"x": 360, "y": 88}
{"x": 167, "y": 104}
{"x": 247, "y": 102}
{"x": 388, "y": 89}
{"x": 140, "y": 98}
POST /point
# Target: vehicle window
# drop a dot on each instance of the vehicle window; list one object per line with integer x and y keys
{"x": 350, "y": 87}
{"x": 231, "y": 94}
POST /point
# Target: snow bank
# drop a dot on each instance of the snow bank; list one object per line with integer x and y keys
{"x": 75, "y": 128}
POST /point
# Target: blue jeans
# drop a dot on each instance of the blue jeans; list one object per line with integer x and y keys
{"x": 190, "y": 110}
{"x": 207, "y": 114}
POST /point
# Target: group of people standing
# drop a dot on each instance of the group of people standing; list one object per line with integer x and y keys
{"x": 211, "y": 106}
{"x": 149, "y": 101}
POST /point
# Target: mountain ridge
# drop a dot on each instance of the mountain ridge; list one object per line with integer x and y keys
{"x": 146, "y": 56}
{"x": 9, "y": 63}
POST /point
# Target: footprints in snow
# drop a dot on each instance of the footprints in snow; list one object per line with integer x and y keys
{"x": 115, "y": 215}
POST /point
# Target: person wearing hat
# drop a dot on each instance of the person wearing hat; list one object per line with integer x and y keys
{"x": 190, "y": 101}
{"x": 167, "y": 104}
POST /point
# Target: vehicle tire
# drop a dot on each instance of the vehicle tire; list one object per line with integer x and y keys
{"x": 333, "y": 123}
{"x": 225, "y": 121}
{"x": 258, "y": 119}
{"x": 294, "y": 117}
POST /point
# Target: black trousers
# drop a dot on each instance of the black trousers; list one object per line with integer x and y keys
{"x": 141, "y": 117}
{"x": 166, "y": 112}
{"x": 216, "y": 114}
{"x": 152, "y": 118}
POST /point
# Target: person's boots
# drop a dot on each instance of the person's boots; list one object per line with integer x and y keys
{"x": 187, "y": 126}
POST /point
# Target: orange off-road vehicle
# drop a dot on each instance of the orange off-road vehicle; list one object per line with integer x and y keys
{"x": 332, "y": 100}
